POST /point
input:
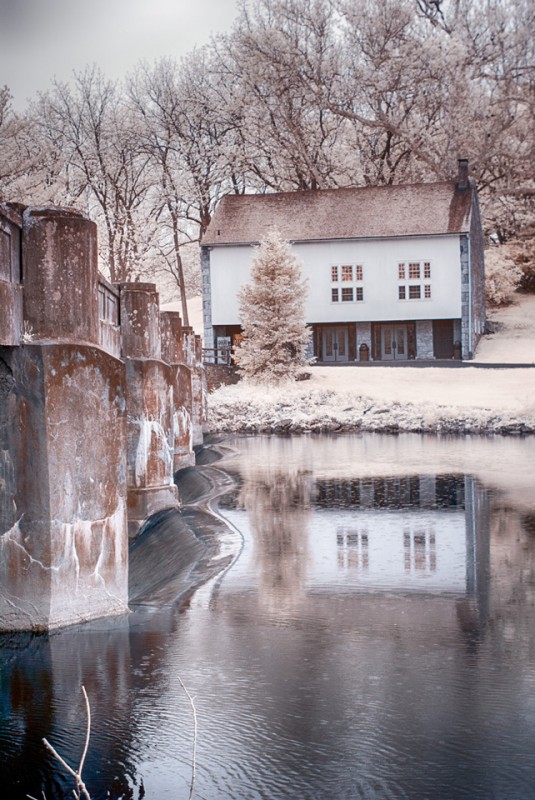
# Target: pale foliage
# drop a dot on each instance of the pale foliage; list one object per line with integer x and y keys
{"x": 502, "y": 277}
{"x": 104, "y": 170}
{"x": 19, "y": 157}
{"x": 275, "y": 335}
{"x": 383, "y": 399}
{"x": 300, "y": 94}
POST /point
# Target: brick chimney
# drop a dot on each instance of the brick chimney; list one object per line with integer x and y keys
{"x": 462, "y": 175}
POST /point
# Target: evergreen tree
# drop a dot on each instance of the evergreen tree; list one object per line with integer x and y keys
{"x": 275, "y": 335}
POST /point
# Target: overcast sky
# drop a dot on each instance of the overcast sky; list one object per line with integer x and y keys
{"x": 43, "y": 39}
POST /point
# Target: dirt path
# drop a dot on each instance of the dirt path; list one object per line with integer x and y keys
{"x": 513, "y": 340}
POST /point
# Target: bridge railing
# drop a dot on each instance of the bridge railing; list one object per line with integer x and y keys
{"x": 217, "y": 355}
{"x": 11, "y": 323}
{"x": 109, "y": 317}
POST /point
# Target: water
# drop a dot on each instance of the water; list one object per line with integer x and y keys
{"x": 365, "y": 629}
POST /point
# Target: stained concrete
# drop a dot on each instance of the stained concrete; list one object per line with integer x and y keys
{"x": 63, "y": 559}
{"x": 95, "y": 418}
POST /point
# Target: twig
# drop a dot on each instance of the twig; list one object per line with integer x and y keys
{"x": 194, "y": 748}
{"x": 77, "y": 774}
{"x": 88, "y": 731}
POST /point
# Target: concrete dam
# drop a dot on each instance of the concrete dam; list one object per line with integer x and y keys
{"x": 102, "y": 400}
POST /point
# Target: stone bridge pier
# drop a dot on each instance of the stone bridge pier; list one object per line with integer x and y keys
{"x": 97, "y": 411}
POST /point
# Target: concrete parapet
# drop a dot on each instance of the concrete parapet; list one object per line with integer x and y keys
{"x": 150, "y": 440}
{"x": 172, "y": 335}
{"x": 63, "y": 528}
{"x": 173, "y": 352}
{"x": 108, "y": 317}
{"x": 140, "y": 321}
{"x": 192, "y": 345}
{"x": 11, "y": 323}
{"x": 60, "y": 275}
{"x": 184, "y": 455}
{"x": 101, "y": 402}
{"x": 199, "y": 393}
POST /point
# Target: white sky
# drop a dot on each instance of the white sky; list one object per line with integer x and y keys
{"x": 43, "y": 39}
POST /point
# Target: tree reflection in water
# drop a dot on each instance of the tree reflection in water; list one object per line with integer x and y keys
{"x": 278, "y": 505}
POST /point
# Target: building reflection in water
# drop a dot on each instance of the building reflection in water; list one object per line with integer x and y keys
{"x": 350, "y": 597}
{"x": 353, "y": 550}
{"x": 421, "y": 536}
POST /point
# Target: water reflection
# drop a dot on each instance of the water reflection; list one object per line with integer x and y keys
{"x": 375, "y": 638}
{"x": 419, "y": 535}
{"x": 277, "y": 506}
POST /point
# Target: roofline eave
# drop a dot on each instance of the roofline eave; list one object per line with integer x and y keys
{"x": 325, "y": 240}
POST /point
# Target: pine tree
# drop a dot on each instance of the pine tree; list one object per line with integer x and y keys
{"x": 275, "y": 335}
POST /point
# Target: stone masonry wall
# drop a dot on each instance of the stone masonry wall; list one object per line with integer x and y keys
{"x": 207, "y": 301}
{"x": 466, "y": 317}
{"x": 424, "y": 339}
{"x": 477, "y": 247}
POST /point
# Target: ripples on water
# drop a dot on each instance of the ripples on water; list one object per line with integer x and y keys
{"x": 374, "y": 638}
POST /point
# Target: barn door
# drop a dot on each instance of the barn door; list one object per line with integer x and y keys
{"x": 443, "y": 338}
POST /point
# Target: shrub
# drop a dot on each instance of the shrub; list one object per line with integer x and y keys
{"x": 502, "y": 277}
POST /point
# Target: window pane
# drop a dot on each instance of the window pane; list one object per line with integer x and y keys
{"x": 112, "y": 315}
{"x": 401, "y": 290}
{"x": 347, "y": 295}
{"x": 5, "y": 255}
{"x": 427, "y": 269}
{"x": 427, "y": 291}
{"x": 334, "y": 273}
{"x": 414, "y": 293}
{"x": 334, "y": 295}
{"x": 360, "y": 293}
{"x": 401, "y": 272}
{"x": 347, "y": 272}
{"x": 414, "y": 271}
{"x": 359, "y": 272}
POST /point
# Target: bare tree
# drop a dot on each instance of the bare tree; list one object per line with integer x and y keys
{"x": 300, "y": 94}
{"x": 19, "y": 153}
{"x": 106, "y": 172}
{"x": 273, "y": 57}
{"x": 182, "y": 134}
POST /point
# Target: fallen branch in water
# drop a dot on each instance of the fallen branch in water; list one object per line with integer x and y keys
{"x": 81, "y": 790}
{"x": 194, "y": 748}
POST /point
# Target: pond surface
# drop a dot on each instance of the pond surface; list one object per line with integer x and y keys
{"x": 371, "y": 634}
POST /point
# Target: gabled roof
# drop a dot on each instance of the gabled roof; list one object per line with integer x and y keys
{"x": 422, "y": 209}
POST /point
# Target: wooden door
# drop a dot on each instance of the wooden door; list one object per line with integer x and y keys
{"x": 394, "y": 341}
{"x": 335, "y": 344}
{"x": 443, "y": 338}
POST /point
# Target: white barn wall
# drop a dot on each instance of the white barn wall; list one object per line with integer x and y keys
{"x": 230, "y": 269}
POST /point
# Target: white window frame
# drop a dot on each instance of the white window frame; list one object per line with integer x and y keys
{"x": 405, "y": 283}
{"x": 347, "y": 276}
